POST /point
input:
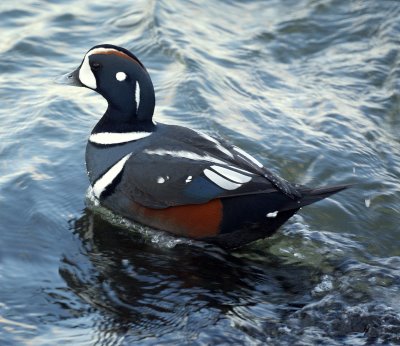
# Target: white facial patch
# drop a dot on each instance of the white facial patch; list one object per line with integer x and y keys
{"x": 160, "y": 180}
{"x": 248, "y": 156}
{"x": 107, "y": 138}
{"x": 86, "y": 75}
{"x": 120, "y": 76}
{"x": 107, "y": 178}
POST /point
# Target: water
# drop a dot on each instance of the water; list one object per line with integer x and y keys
{"x": 311, "y": 88}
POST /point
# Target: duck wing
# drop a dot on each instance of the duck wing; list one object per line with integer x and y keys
{"x": 181, "y": 166}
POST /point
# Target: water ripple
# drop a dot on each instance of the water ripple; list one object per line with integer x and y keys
{"x": 311, "y": 88}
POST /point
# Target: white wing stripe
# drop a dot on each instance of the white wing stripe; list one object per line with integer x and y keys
{"x": 237, "y": 169}
{"x": 220, "y": 181}
{"x": 117, "y": 138}
{"x": 102, "y": 183}
{"x": 217, "y": 144}
{"x": 248, "y": 156}
{"x": 183, "y": 154}
{"x": 232, "y": 175}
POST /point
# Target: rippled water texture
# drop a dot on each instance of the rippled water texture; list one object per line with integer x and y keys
{"x": 310, "y": 87}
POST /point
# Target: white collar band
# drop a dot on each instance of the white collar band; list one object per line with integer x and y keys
{"x": 107, "y": 138}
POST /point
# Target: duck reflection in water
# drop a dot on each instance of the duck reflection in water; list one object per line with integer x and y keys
{"x": 142, "y": 289}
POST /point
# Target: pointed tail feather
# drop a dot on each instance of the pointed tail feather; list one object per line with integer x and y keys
{"x": 311, "y": 195}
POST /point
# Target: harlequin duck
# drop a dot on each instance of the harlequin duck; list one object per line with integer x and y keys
{"x": 171, "y": 177}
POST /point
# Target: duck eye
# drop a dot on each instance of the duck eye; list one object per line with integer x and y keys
{"x": 95, "y": 66}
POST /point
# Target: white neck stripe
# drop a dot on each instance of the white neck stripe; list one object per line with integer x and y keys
{"x": 137, "y": 96}
{"x": 116, "y": 137}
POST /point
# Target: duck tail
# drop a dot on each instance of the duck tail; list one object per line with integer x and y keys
{"x": 312, "y": 195}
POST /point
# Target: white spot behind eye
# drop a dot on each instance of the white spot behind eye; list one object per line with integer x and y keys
{"x": 121, "y": 76}
{"x": 160, "y": 180}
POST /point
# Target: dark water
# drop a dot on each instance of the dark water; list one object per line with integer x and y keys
{"x": 310, "y": 87}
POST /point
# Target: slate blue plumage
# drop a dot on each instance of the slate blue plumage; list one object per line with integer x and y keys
{"x": 171, "y": 177}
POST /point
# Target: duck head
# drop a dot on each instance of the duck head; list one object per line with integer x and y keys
{"x": 119, "y": 76}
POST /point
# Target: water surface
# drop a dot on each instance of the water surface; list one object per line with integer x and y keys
{"x": 310, "y": 87}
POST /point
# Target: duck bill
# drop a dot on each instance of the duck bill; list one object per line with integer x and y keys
{"x": 71, "y": 79}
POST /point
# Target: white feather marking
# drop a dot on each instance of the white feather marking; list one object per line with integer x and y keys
{"x": 220, "y": 181}
{"x": 120, "y": 76}
{"x": 273, "y": 214}
{"x": 184, "y": 155}
{"x": 160, "y": 180}
{"x": 107, "y": 178}
{"x": 240, "y": 170}
{"x": 217, "y": 144}
{"x": 188, "y": 179}
{"x": 116, "y": 137}
{"x": 137, "y": 95}
{"x": 232, "y": 175}
{"x": 86, "y": 75}
{"x": 248, "y": 156}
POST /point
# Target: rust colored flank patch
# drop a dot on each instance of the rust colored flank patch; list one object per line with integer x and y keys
{"x": 195, "y": 220}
